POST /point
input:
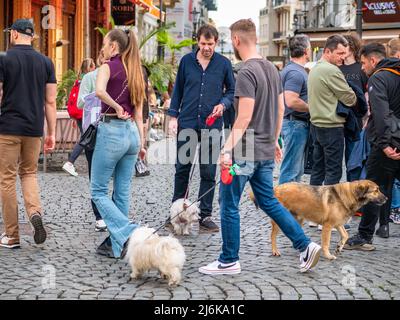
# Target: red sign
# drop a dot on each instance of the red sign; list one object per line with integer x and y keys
{"x": 381, "y": 11}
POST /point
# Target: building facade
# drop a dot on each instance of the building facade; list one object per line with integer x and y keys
{"x": 321, "y": 18}
{"x": 188, "y": 16}
{"x": 277, "y": 25}
{"x": 66, "y": 29}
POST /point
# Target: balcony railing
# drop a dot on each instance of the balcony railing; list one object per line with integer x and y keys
{"x": 276, "y": 3}
{"x": 211, "y": 5}
{"x": 277, "y": 35}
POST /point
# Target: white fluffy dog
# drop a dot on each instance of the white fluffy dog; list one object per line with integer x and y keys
{"x": 183, "y": 222}
{"x": 147, "y": 250}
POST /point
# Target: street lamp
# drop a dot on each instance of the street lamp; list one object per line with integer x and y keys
{"x": 359, "y": 18}
{"x": 222, "y": 43}
{"x": 195, "y": 15}
{"x": 160, "y": 49}
{"x": 305, "y": 12}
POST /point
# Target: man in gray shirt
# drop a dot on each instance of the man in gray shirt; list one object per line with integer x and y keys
{"x": 259, "y": 109}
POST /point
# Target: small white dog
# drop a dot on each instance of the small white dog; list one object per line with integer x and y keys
{"x": 183, "y": 222}
{"x": 147, "y": 250}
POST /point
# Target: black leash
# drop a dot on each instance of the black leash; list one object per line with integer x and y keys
{"x": 202, "y": 196}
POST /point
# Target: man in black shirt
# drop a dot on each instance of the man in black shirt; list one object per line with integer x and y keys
{"x": 383, "y": 164}
{"x": 27, "y": 95}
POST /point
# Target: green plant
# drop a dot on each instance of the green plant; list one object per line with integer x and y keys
{"x": 104, "y": 30}
{"x": 161, "y": 74}
{"x": 64, "y": 88}
{"x": 168, "y": 41}
{"x": 155, "y": 32}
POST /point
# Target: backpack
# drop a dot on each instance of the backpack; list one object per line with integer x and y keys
{"x": 72, "y": 104}
{"x": 394, "y": 121}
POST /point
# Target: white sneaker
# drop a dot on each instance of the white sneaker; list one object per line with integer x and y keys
{"x": 217, "y": 267}
{"x": 7, "y": 242}
{"x": 309, "y": 257}
{"x": 69, "y": 168}
{"x": 100, "y": 226}
{"x": 312, "y": 224}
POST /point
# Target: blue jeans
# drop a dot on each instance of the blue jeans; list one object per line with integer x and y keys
{"x": 116, "y": 151}
{"x": 295, "y": 136}
{"x": 259, "y": 174}
{"x": 396, "y": 194}
{"x": 77, "y": 148}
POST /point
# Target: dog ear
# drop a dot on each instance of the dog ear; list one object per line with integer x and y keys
{"x": 361, "y": 190}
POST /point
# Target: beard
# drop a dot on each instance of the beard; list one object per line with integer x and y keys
{"x": 207, "y": 53}
{"x": 237, "y": 55}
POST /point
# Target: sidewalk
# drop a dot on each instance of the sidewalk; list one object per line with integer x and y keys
{"x": 66, "y": 266}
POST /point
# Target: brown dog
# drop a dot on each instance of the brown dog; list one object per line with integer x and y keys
{"x": 330, "y": 206}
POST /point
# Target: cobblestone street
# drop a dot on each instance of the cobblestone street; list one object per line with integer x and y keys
{"x": 66, "y": 266}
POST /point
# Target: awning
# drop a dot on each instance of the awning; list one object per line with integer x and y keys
{"x": 145, "y": 4}
{"x": 150, "y": 7}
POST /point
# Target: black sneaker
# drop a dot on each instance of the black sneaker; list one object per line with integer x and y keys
{"x": 358, "y": 243}
{"x": 105, "y": 249}
{"x": 383, "y": 231}
{"x": 206, "y": 224}
{"x": 39, "y": 233}
{"x": 124, "y": 250}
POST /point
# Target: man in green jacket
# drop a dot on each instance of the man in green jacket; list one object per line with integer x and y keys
{"x": 326, "y": 87}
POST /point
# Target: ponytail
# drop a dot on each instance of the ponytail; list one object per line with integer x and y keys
{"x": 130, "y": 56}
{"x": 133, "y": 68}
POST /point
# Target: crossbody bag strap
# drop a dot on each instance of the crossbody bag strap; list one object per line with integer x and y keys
{"x": 116, "y": 100}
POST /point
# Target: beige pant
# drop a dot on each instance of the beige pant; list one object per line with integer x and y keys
{"x": 18, "y": 154}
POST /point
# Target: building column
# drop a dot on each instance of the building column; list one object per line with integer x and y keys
{"x": 56, "y": 54}
{"x": 22, "y": 9}
{"x": 79, "y": 33}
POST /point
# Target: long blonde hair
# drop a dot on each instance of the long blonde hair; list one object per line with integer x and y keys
{"x": 130, "y": 55}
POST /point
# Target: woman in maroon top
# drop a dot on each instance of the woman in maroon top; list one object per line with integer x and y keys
{"x": 120, "y": 140}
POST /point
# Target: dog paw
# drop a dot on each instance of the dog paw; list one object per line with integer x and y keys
{"x": 135, "y": 275}
{"x": 276, "y": 253}
{"x": 330, "y": 256}
{"x": 173, "y": 284}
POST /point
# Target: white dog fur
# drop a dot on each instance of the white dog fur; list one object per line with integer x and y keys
{"x": 183, "y": 223}
{"x": 147, "y": 250}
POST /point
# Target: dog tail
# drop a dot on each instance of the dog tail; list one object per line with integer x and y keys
{"x": 253, "y": 198}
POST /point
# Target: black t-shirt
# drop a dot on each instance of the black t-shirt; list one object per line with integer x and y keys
{"x": 24, "y": 73}
{"x": 353, "y": 73}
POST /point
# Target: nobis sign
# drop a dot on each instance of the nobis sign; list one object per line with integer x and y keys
{"x": 381, "y": 11}
{"x": 123, "y": 12}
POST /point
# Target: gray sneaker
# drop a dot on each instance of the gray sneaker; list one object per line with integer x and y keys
{"x": 358, "y": 243}
{"x": 206, "y": 224}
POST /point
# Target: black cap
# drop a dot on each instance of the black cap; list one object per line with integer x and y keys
{"x": 23, "y": 26}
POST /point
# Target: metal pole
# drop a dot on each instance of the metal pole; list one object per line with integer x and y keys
{"x": 159, "y": 47}
{"x": 359, "y": 18}
{"x": 87, "y": 30}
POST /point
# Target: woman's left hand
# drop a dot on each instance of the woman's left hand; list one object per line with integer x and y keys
{"x": 142, "y": 153}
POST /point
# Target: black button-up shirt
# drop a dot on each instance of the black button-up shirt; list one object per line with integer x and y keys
{"x": 197, "y": 91}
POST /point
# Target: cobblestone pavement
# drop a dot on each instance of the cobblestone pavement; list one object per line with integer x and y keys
{"x": 66, "y": 266}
